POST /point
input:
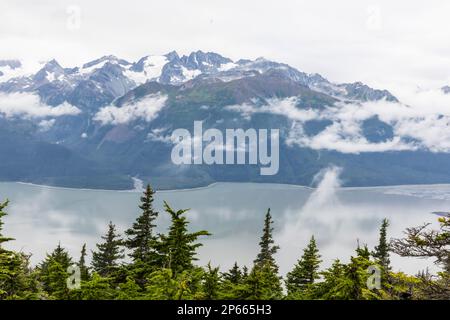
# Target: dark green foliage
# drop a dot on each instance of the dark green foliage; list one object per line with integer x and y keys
{"x": 381, "y": 253}
{"x": 3, "y": 214}
{"x": 262, "y": 283}
{"x": 179, "y": 246}
{"x": 306, "y": 271}
{"x": 53, "y": 272}
{"x": 140, "y": 237}
{"x": 84, "y": 270}
{"x": 234, "y": 275}
{"x": 267, "y": 248}
{"x": 17, "y": 280}
{"x": 98, "y": 288}
{"x": 105, "y": 260}
{"x": 329, "y": 288}
{"x": 211, "y": 283}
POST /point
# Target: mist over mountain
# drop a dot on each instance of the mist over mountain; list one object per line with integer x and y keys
{"x": 102, "y": 123}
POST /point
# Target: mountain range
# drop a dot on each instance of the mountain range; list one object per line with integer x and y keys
{"x": 101, "y": 124}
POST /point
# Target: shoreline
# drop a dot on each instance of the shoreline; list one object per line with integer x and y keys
{"x": 214, "y": 184}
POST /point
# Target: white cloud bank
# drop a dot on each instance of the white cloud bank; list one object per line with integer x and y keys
{"x": 146, "y": 109}
{"x": 29, "y": 106}
{"x": 285, "y": 107}
{"x": 422, "y": 122}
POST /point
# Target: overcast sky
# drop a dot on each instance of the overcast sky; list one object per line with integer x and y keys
{"x": 387, "y": 44}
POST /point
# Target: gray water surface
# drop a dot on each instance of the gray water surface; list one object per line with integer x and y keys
{"x": 40, "y": 217}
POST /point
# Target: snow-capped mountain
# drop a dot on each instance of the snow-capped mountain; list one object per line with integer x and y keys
{"x": 100, "y": 81}
{"x": 100, "y": 123}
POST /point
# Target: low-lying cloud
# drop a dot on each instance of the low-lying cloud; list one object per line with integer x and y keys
{"x": 30, "y": 106}
{"x": 285, "y": 107}
{"x": 421, "y": 121}
{"x": 337, "y": 221}
{"x": 146, "y": 109}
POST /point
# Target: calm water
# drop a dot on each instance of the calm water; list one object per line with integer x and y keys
{"x": 40, "y": 217}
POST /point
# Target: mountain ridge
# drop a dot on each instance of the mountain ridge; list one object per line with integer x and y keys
{"x": 125, "y": 112}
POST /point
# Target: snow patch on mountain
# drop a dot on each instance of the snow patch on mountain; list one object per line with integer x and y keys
{"x": 227, "y": 66}
{"x": 148, "y": 68}
{"x": 189, "y": 74}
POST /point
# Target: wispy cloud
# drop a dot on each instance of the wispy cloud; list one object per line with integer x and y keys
{"x": 285, "y": 107}
{"x": 422, "y": 121}
{"x": 30, "y": 106}
{"x": 146, "y": 109}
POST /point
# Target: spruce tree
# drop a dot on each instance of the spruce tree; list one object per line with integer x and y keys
{"x": 267, "y": 247}
{"x": 59, "y": 255}
{"x": 16, "y": 279}
{"x": 106, "y": 259}
{"x": 353, "y": 284}
{"x": 330, "y": 287}
{"x": 262, "y": 283}
{"x": 234, "y": 275}
{"x": 211, "y": 283}
{"x": 233, "y": 283}
{"x": 84, "y": 270}
{"x": 179, "y": 246}
{"x": 381, "y": 253}
{"x": 306, "y": 271}
{"x": 97, "y": 288}
{"x": 3, "y": 239}
{"x": 363, "y": 251}
{"x": 53, "y": 272}
{"x": 244, "y": 272}
{"x": 140, "y": 237}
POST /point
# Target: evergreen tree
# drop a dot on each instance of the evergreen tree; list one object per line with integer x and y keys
{"x": 306, "y": 271}
{"x": 3, "y": 239}
{"x": 106, "y": 259}
{"x": 179, "y": 246}
{"x": 211, "y": 283}
{"x": 233, "y": 283}
{"x": 163, "y": 284}
{"x": 363, "y": 251}
{"x": 353, "y": 284}
{"x": 381, "y": 253}
{"x": 97, "y": 288}
{"x": 262, "y": 283}
{"x": 84, "y": 270}
{"x": 129, "y": 290}
{"x": 140, "y": 238}
{"x": 330, "y": 287}
{"x": 59, "y": 255}
{"x": 53, "y": 272}
{"x": 16, "y": 278}
{"x": 234, "y": 275}
{"x": 244, "y": 272}
{"x": 267, "y": 247}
